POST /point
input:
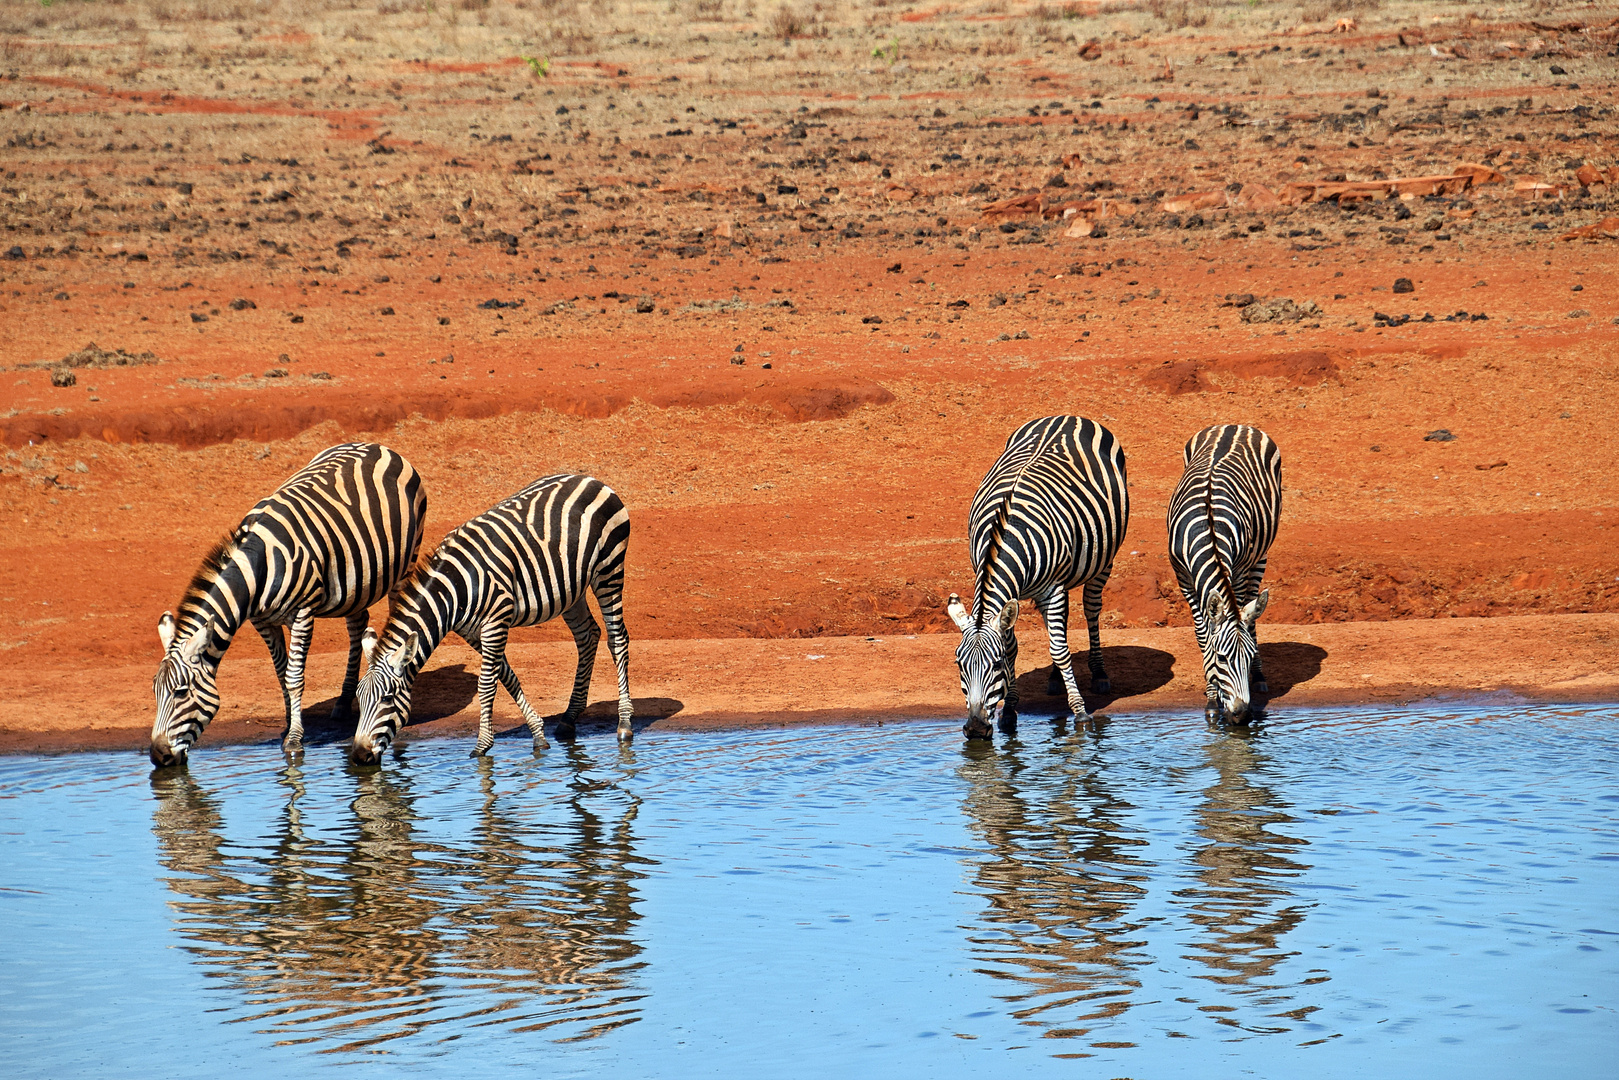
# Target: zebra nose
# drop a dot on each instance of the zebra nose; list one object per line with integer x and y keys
{"x": 164, "y": 757}
{"x": 363, "y": 753}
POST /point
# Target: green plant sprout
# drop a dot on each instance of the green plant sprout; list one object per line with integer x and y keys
{"x": 540, "y": 65}
{"x": 889, "y": 52}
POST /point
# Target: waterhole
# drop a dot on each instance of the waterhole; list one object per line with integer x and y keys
{"x": 1339, "y": 893}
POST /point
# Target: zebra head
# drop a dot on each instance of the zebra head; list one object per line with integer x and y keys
{"x": 383, "y": 696}
{"x": 187, "y": 695}
{"x": 988, "y": 651}
{"x": 1234, "y": 645}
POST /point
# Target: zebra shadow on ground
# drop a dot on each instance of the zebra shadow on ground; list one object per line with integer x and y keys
{"x": 445, "y": 691}
{"x": 1288, "y": 663}
{"x": 440, "y": 692}
{"x": 1132, "y": 669}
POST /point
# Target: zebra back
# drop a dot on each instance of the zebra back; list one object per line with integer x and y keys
{"x": 336, "y": 536}
{"x": 1052, "y": 510}
{"x": 537, "y": 550}
{"x": 1224, "y": 512}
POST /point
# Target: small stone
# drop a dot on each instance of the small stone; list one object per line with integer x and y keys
{"x": 644, "y": 306}
{"x": 239, "y": 304}
{"x": 1440, "y": 435}
{"x": 323, "y": 375}
{"x": 386, "y": 311}
{"x": 444, "y": 320}
{"x": 297, "y": 318}
{"x": 1403, "y": 285}
{"x": 276, "y": 373}
{"x": 79, "y": 466}
{"x": 16, "y": 253}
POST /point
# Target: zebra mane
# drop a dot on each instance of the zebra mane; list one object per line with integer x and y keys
{"x": 1214, "y": 534}
{"x": 207, "y": 572}
{"x": 412, "y": 577}
{"x": 991, "y": 554}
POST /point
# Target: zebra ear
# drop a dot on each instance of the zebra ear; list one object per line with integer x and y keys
{"x": 368, "y": 645}
{"x": 404, "y": 654}
{"x": 1253, "y": 610}
{"x": 192, "y": 647}
{"x": 165, "y": 630}
{"x": 957, "y": 613}
{"x": 1219, "y": 610}
{"x": 1008, "y": 616}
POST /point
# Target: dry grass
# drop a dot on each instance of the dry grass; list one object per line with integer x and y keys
{"x": 1180, "y": 14}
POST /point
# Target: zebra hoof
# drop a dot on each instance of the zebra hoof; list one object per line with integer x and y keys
{"x": 293, "y": 748}
{"x": 626, "y": 734}
{"x": 566, "y": 732}
{"x": 1008, "y": 723}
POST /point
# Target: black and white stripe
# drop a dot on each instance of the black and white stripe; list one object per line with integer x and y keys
{"x": 525, "y": 561}
{"x": 1222, "y": 521}
{"x": 327, "y": 544}
{"x": 1049, "y": 517}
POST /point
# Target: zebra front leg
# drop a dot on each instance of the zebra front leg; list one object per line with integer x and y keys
{"x": 618, "y": 643}
{"x": 1054, "y": 606}
{"x": 586, "y": 635}
{"x": 276, "y": 639}
{"x": 535, "y": 722}
{"x": 1256, "y": 576}
{"x": 491, "y": 644}
{"x": 1093, "y": 623}
{"x": 302, "y": 630}
{"x": 343, "y": 711}
{"x": 1008, "y": 721}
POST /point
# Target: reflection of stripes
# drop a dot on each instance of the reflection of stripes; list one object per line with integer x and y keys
{"x": 328, "y": 543}
{"x": 527, "y": 560}
{"x": 1222, "y": 520}
{"x": 1049, "y": 517}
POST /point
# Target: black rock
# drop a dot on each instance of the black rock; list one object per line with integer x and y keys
{"x": 493, "y": 304}
{"x": 16, "y": 253}
{"x": 197, "y": 316}
{"x": 872, "y": 320}
{"x": 240, "y": 304}
{"x": 1403, "y": 285}
{"x": 1442, "y": 435}
{"x": 297, "y": 318}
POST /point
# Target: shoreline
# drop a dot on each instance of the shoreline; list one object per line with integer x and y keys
{"x": 702, "y": 684}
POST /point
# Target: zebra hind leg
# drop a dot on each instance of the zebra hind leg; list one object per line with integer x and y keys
{"x": 611, "y": 601}
{"x": 1055, "y": 609}
{"x": 586, "y": 635}
{"x": 1100, "y": 683}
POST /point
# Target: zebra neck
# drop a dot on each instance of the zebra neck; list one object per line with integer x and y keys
{"x": 425, "y": 609}
{"x": 998, "y": 590}
{"x": 224, "y": 593}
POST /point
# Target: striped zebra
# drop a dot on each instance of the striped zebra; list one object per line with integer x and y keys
{"x": 327, "y": 544}
{"x": 1222, "y": 520}
{"x": 1049, "y": 517}
{"x": 527, "y": 560}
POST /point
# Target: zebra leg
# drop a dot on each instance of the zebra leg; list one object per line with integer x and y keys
{"x": 343, "y": 711}
{"x": 618, "y": 643}
{"x": 276, "y": 639}
{"x": 586, "y": 635}
{"x": 1093, "y": 623}
{"x": 535, "y": 722}
{"x": 1009, "y": 669}
{"x": 302, "y": 630}
{"x": 491, "y": 643}
{"x": 1255, "y": 576}
{"x": 1054, "y": 606}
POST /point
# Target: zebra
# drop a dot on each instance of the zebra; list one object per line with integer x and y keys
{"x": 1222, "y": 520}
{"x": 1049, "y": 516}
{"x": 328, "y": 543}
{"x": 522, "y": 562}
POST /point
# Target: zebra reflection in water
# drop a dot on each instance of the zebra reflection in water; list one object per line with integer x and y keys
{"x": 1241, "y": 902}
{"x": 1062, "y": 879}
{"x": 355, "y": 936}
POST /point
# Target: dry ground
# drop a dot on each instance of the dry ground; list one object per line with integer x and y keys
{"x": 747, "y": 279}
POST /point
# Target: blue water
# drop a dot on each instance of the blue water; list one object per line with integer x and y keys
{"x": 1342, "y": 893}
